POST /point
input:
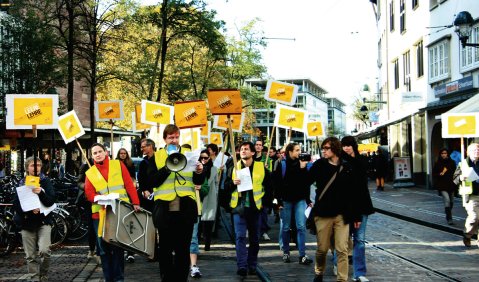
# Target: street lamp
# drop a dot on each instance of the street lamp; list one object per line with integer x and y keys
{"x": 463, "y": 24}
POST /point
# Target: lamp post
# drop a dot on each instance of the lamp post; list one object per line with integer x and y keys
{"x": 463, "y": 24}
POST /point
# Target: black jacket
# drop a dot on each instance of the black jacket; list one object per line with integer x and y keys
{"x": 294, "y": 186}
{"x": 340, "y": 197}
{"x": 28, "y": 220}
{"x": 444, "y": 182}
{"x": 359, "y": 165}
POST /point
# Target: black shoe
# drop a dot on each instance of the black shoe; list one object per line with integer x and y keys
{"x": 318, "y": 278}
{"x": 350, "y": 260}
{"x": 242, "y": 272}
{"x": 305, "y": 260}
{"x": 466, "y": 241}
{"x": 252, "y": 271}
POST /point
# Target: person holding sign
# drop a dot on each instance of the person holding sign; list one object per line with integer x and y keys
{"x": 175, "y": 210}
{"x": 249, "y": 185}
{"x": 35, "y": 223}
{"x": 107, "y": 177}
{"x": 466, "y": 175}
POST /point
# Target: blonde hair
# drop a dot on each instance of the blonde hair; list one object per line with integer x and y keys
{"x": 471, "y": 147}
{"x": 30, "y": 160}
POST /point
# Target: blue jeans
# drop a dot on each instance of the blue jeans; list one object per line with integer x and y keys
{"x": 359, "y": 248}
{"x": 298, "y": 209}
{"x": 194, "y": 248}
{"x": 247, "y": 258}
{"x": 112, "y": 261}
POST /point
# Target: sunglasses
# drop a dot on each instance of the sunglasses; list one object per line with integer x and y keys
{"x": 204, "y": 158}
{"x": 325, "y": 148}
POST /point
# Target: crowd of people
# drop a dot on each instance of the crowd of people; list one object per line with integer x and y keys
{"x": 261, "y": 182}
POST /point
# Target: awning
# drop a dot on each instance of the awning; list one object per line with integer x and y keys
{"x": 373, "y": 131}
{"x": 471, "y": 105}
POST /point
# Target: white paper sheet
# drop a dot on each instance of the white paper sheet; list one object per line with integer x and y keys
{"x": 28, "y": 200}
{"x": 470, "y": 174}
{"x": 191, "y": 160}
{"x": 244, "y": 176}
{"x": 220, "y": 160}
{"x": 107, "y": 200}
{"x": 307, "y": 211}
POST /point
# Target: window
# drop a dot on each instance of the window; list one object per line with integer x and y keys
{"x": 470, "y": 55}
{"x": 439, "y": 61}
{"x": 396, "y": 73}
{"x": 414, "y": 3}
{"x": 402, "y": 16}
{"x": 420, "y": 59}
{"x": 406, "y": 70}
{"x": 391, "y": 16}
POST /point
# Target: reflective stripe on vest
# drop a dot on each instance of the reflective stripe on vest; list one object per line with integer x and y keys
{"x": 466, "y": 186}
{"x": 172, "y": 187}
{"x": 115, "y": 182}
{"x": 257, "y": 178}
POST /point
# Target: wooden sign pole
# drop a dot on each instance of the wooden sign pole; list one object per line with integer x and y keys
{"x": 84, "y": 153}
{"x": 111, "y": 137}
{"x": 34, "y": 129}
{"x": 232, "y": 143}
{"x": 197, "y": 192}
{"x": 270, "y": 140}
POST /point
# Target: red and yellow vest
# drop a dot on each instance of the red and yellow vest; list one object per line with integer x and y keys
{"x": 115, "y": 182}
{"x": 257, "y": 178}
{"x": 171, "y": 187}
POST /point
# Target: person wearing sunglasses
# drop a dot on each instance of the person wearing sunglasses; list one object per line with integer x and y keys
{"x": 334, "y": 207}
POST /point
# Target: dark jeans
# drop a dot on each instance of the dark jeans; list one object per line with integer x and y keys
{"x": 247, "y": 257}
{"x": 176, "y": 237}
{"x": 264, "y": 226}
{"x": 112, "y": 262}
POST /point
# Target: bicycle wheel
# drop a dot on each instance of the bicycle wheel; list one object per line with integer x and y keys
{"x": 7, "y": 241}
{"x": 59, "y": 229}
{"x": 78, "y": 219}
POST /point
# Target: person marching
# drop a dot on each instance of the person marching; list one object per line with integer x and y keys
{"x": 35, "y": 225}
{"x": 359, "y": 164}
{"x": 106, "y": 177}
{"x": 175, "y": 210}
{"x": 442, "y": 173}
{"x": 246, "y": 207}
{"x": 334, "y": 207}
{"x": 469, "y": 191}
{"x": 292, "y": 192}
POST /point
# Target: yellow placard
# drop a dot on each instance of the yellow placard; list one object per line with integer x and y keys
{"x": 370, "y": 147}
{"x": 289, "y": 117}
{"x": 221, "y": 122}
{"x": 31, "y": 180}
{"x": 216, "y": 138}
{"x": 156, "y": 113}
{"x": 5, "y": 148}
{"x": 460, "y": 125}
{"x": 190, "y": 114}
{"x": 109, "y": 110}
{"x": 281, "y": 92}
{"x": 136, "y": 123}
{"x": 185, "y": 138}
{"x": 225, "y": 102}
{"x": 315, "y": 129}
{"x": 70, "y": 127}
{"x": 27, "y": 110}
{"x": 205, "y": 130}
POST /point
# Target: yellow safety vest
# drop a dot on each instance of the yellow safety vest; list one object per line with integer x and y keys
{"x": 466, "y": 186}
{"x": 257, "y": 178}
{"x": 171, "y": 187}
{"x": 115, "y": 182}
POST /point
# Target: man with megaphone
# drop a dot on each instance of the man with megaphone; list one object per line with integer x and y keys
{"x": 175, "y": 210}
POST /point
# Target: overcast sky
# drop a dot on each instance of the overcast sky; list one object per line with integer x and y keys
{"x": 335, "y": 41}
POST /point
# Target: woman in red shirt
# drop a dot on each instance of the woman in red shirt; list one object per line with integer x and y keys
{"x": 111, "y": 256}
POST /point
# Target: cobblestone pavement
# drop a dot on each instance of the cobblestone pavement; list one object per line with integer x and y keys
{"x": 431, "y": 253}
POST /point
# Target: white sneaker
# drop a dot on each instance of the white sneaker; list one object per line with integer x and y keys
{"x": 266, "y": 237}
{"x": 195, "y": 271}
{"x": 91, "y": 254}
{"x": 361, "y": 279}
{"x": 335, "y": 270}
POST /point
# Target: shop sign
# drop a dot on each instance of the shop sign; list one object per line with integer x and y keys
{"x": 460, "y": 85}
